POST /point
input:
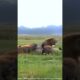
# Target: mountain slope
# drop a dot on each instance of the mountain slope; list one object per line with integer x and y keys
{"x": 56, "y": 30}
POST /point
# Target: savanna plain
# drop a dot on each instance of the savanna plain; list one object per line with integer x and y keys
{"x": 35, "y": 66}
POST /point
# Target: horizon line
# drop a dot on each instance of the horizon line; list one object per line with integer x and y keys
{"x": 38, "y": 26}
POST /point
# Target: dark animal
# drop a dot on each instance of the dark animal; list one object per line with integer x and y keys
{"x": 33, "y": 47}
{"x": 71, "y": 49}
{"x": 48, "y": 43}
{"x": 47, "y": 49}
{"x": 71, "y": 46}
{"x": 69, "y": 69}
{"x": 8, "y": 65}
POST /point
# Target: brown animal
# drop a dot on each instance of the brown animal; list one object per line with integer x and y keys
{"x": 33, "y": 47}
{"x": 8, "y": 65}
{"x": 69, "y": 69}
{"x": 47, "y": 49}
{"x": 24, "y": 49}
{"x": 48, "y": 42}
{"x": 27, "y": 48}
{"x": 71, "y": 46}
{"x": 71, "y": 49}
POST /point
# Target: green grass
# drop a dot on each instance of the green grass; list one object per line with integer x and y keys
{"x": 40, "y": 66}
{"x": 35, "y": 65}
{"x": 30, "y": 39}
{"x": 23, "y": 42}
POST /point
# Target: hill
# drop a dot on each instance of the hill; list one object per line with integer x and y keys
{"x": 49, "y": 30}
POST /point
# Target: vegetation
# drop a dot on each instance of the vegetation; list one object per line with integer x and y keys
{"x": 36, "y": 66}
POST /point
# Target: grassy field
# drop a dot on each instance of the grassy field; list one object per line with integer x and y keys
{"x": 35, "y": 66}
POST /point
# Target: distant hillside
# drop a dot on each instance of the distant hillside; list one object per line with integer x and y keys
{"x": 55, "y": 30}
